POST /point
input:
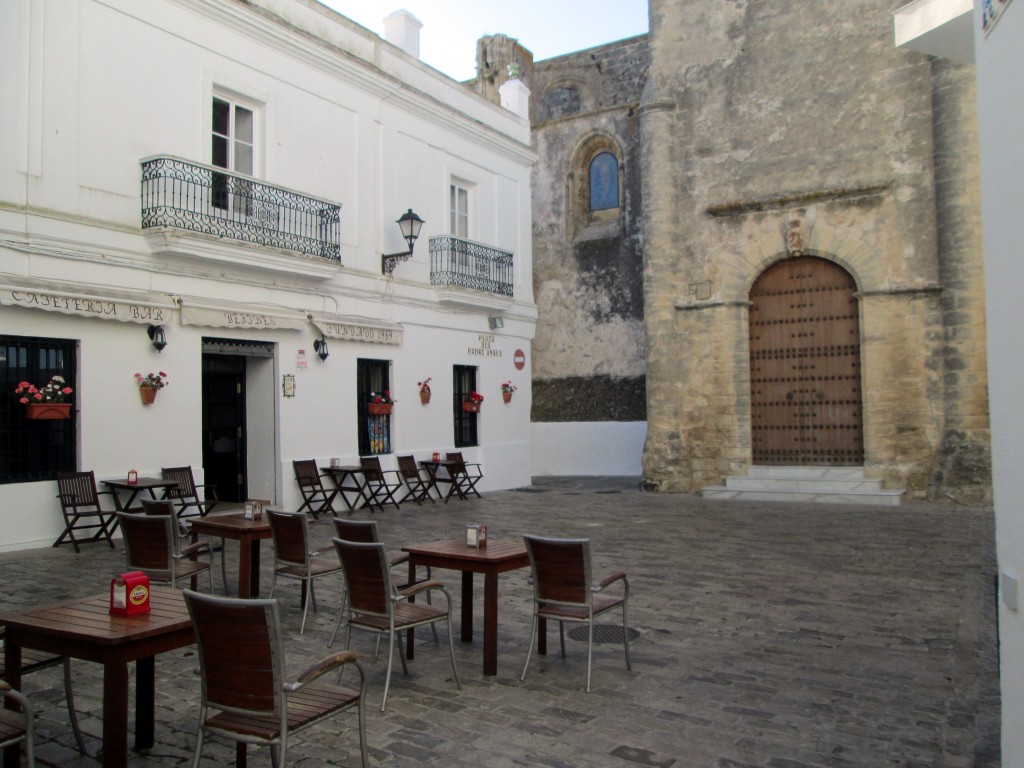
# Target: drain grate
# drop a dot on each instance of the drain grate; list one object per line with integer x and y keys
{"x": 603, "y": 633}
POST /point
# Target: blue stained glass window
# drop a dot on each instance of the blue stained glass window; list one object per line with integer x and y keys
{"x": 604, "y": 182}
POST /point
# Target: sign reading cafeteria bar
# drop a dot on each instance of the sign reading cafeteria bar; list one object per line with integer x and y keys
{"x": 114, "y": 308}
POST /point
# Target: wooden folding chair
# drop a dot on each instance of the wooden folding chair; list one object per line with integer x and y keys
{"x": 245, "y": 694}
{"x": 417, "y": 487}
{"x": 463, "y": 476}
{"x": 379, "y": 484}
{"x": 315, "y": 498}
{"x": 80, "y": 501}
{"x": 186, "y": 495}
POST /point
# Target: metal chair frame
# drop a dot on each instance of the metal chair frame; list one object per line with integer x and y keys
{"x": 15, "y": 728}
{"x": 294, "y": 559}
{"x": 562, "y": 591}
{"x": 151, "y": 546}
{"x": 242, "y": 667}
{"x": 375, "y": 605}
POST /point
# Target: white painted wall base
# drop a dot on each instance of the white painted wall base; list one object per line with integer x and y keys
{"x": 587, "y": 448}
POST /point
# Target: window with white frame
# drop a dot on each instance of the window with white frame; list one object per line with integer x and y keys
{"x": 232, "y": 147}
{"x": 458, "y": 204}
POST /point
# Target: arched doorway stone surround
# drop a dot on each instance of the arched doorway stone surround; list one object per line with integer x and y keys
{"x": 705, "y": 420}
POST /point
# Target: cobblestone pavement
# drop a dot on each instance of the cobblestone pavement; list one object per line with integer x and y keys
{"x": 775, "y": 635}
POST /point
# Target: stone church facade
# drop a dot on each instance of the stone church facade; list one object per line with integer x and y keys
{"x": 792, "y": 270}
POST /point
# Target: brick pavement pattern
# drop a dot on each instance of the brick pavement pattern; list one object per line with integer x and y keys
{"x": 772, "y": 635}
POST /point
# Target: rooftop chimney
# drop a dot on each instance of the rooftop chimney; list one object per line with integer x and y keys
{"x": 401, "y": 28}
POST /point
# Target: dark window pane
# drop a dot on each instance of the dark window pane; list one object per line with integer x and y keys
{"x": 219, "y": 154}
{"x": 604, "y": 182}
{"x": 221, "y": 117}
{"x": 35, "y": 450}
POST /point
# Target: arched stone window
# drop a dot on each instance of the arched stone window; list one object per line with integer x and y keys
{"x": 604, "y": 182}
{"x": 595, "y": 184}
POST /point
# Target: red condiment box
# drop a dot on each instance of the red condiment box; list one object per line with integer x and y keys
{"x": 129, "y": 594}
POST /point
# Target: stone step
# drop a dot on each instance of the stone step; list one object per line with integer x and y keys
{"x": 880, "y": 498}
{"x": 823, "y": 485}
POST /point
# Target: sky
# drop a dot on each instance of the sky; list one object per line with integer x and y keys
{"x": 547, "y": 28}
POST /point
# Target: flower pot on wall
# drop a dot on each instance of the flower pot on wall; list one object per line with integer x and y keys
{"x": 506, "y": 396}
{"x": 424, "y": 397}
{"x": 378, "y": 409}
{"x": 148, "y": 395}
{"x": 47, "y": 410}
{"x": 471, "y": 407}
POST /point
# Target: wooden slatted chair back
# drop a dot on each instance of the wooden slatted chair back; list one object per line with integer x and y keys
{"x": 363, "y": 531}
{"x": 372, "y": 470}
{"x": 239, "y": 653}
{"x": 290, "y": 533}
{"x": 561, "y": 569}
{"x": 367, "y": 576}
{"x": 306, "y": 473}
{"x": 409, "y": 468}
{"x": 148, "y": 541}
{"x": 78, "y": 489}
{"x": 186, "y": 489}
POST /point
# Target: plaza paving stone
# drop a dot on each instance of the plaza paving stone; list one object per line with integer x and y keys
{"x": 770, "y": 635}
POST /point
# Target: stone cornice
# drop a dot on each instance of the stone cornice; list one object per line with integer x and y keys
{"x": 789, "y": 200}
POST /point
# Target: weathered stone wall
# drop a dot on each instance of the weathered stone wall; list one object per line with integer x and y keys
{"x": 589, "y": 352}
{"x": 759, "y": 119}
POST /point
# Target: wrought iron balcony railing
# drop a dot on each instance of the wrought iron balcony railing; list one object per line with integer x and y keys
{"x": 214, "y": 201}
{"x": 465, "y": 264}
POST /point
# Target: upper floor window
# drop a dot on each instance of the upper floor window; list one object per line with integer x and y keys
{"x": 458, "y": 205}
{"x": 234, "y": 136}
{"x": 35, "y": 450}
{"x": 604, "y": 182}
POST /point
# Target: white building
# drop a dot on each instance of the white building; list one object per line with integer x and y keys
{"x": 232, "y": 172}
{"x": 990, "y": 32}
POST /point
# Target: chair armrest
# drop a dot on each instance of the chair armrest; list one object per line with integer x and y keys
{"x": 610, "y": 579}
{"x": 423, "y": 586}
{"x": 324, "y": 666}
{"x": 18, "y": 696}
{"x": 398, "y": 560}
{"x": 194, "y": 548}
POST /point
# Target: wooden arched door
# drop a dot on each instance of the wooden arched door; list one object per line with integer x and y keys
{"x": 805, "y": 376}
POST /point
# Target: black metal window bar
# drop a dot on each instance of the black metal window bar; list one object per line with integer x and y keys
{"x": 465, "y": 264}
{"x": 31, "y": 451}
{"x": 215, "y": 201}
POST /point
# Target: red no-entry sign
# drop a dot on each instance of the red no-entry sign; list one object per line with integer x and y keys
{"x": 519, "y": 359}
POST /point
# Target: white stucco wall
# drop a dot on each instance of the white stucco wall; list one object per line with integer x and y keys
{"x": 90, "y": 88}
{"x": 1000, "y": 68}
{"x": 588, "y": 448}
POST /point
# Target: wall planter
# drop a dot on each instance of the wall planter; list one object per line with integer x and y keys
{"x": 506, "y": 396}
{"x": 47, "y": 410}
{"x": 148, "y": 395}
{"x": 424, "y": 397}
{"x": 471, "y": 407}
{"x": 379, "y": 409}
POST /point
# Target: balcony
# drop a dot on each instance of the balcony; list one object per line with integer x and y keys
{"x": 195, "y": 210}
{"x": 469, "y": 273}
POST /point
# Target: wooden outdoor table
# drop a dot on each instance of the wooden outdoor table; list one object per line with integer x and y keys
{"x": 85, "y": 629}
{"x": 495, "y": 558}
{"x": 248, "y": 533}
{"x": 134, "y": 489}
{"x": 340, "y": 475}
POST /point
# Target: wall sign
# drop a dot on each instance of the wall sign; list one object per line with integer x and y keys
{"x": 519, "y": 359}
{"x": 486, "y": 348}
{"x": 991, "y": 10}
